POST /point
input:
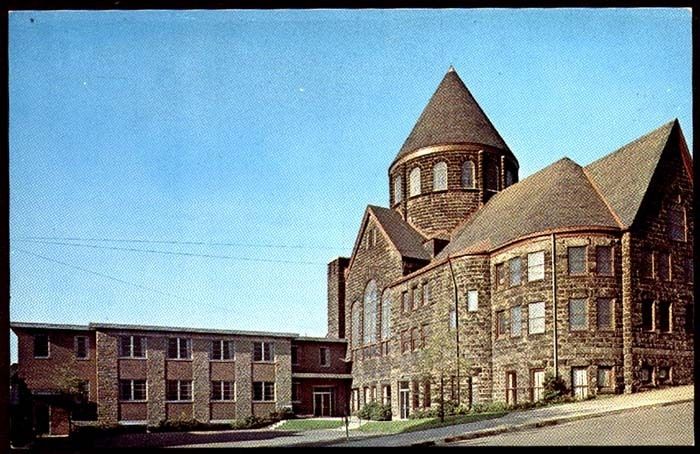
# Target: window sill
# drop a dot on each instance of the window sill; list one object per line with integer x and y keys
{"x": 142, "y": 358}
{"x": 82, "y": 359}
{"x": 222, "y": 360}
{"x": 264, "y": 362}
{"x": 264, "y": 401}
{"x": 179, "y": 359}
{"x": 133, "y": 401}
{"x": 223, "y": 401}
{"x": 179, "y": 401}
{"x": 41, "y": 357}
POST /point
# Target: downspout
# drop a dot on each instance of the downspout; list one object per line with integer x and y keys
{"x": 554, "y": 305}
{"x": 456, "y": 297}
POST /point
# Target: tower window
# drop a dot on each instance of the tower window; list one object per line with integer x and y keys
{"x": 414, "y": 182}
{"x": 398, "y": 189}
{"x": 440, "y": 176}
{"x": 468, "y": 175}
{"x": 676, "y": 224}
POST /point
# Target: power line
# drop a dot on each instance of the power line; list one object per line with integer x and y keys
{"x": 106, "y": 276}
{"x": 190, "y": 243}
{"x": 187, "y": 254}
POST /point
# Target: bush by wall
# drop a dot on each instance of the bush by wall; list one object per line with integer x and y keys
{"x": 375, "y": 411}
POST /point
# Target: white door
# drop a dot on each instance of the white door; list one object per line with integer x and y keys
{"x": 537, "y": 385}
{"x": 580, "y": 380}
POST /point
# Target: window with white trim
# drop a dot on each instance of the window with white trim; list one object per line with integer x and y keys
{"x": 179, "y": 348}
{"x": 535, "y": 266}
{"x": 325, "y": 356}
{"x": 370, "y": 313}
{"x": 414, "y": 182}
{"x": 41, "y": 345}
{"x": 472, "y": 300}
{"x": 82, "y": 347}
{"x": 535, "y": 315}
{"x": 468, "y": 175}
{"x": 440, "y": 176}
{"x": 132, "y": 390}
{"x": 578, "y": 314}
{"x": 398, "y": 189}
{"x": 222, "y": 350}
{"x": 263, "y": 351}
{"x": 132, "y": 347}
{"x": 222, "y": 390}
{"x": 178, "y": 390}
{"x": 263, "y": 391}
{"x": 386, "y": 316}
{"x": 516, "y": 326}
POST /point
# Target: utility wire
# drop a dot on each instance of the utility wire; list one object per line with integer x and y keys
{"x": 195, "y": 243}
{"x": 187, "y": 254}
{"x": 106, "y": 276}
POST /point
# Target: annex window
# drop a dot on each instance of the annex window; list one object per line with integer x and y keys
{"x": 132, "y": 390}
{"x": 648, "y": 315}
{"x": 386, "y": 316}
{"x": 648, "y": 264}
{"x": 603, "y": 260}
{"x": 604, "y": 313}
{"x": 132, "y": 347}
{"x": 179, "y": 348}
{"x": 579, "y": 382}
{"x": 263, "y": 391}
{"x": 398, "y": 189}
{"x": 468, "y": 175}
{"x": 515, "y": 321}
{"x": 535, "y": 313}
{"x": 263, "y": 351}
{"x": 222, "y": 349}
{"x": 502, "y": 327}
{"x": 664, "y": 266}
{"x": 665, "y": 318}
{"x": 535, "y": 266}
{"x": 356, "y": 325}
{"x": 577, "y": 259}
{"x": 472, "y": 300}
{"x": 370, "y": 313}
{"x": 178, "y": 390}
{"x": 676, "y": 224}
{"x": 41, "y": 346}
{"x": 500, "y": 275}
{"x": 415, "y": 293}
{"x": 453, "y": 318}
{"x": 440, "y": 176}
{"x": 577, "y": 314}
{"x": 605, "y": 378}
{"x": 295, "y": 355}
{"x": 405, "y": 302}
{"x": 82, "y": 347}
{"x": 414, "y": 182}
{"x": 325, "y": 356}
{"x": 426, "y": 293}
{"x": 515, "y": 276}
{"x": 222, "y": 390}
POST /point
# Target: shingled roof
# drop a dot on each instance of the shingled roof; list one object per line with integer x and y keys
{"x": 407, "y": 240}
{"x": 557, "y": 196}
{"x": 452, "y": 116}
{"x": 624, "y": 175}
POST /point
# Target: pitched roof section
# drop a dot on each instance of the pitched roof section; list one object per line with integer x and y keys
{"x": 407, "y": 240}
{"x": 557, "y": 196}
{"x": 452, "y": 116}
{"x": 624, "y": 175}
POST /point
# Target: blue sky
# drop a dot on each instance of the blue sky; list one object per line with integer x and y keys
{"x": 271, "y": 131}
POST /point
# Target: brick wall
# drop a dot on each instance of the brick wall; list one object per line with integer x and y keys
{"x": 336, "y": 297}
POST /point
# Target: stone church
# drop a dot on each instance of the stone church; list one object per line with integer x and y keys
{"x": 585, "y": 272}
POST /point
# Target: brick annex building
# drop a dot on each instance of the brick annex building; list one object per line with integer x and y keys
{"x": 464, "y": 249}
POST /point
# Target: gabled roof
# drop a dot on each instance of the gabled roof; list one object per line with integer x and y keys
{"x": 452, "y": 116}
{"x": 624, "y": 175}
{"x": 405, "y": 238}
{"x": 558, "y": 196}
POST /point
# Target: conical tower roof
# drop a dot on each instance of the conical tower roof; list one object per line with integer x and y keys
{"x": 452, "y": 116}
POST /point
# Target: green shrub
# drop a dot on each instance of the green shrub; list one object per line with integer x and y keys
{"x": 186, "y": 425}
{"x": 252, "y": 422}
{"x": 375, "y": 411}
{"x": 554, "y": 387}
{"x": 490, "y": 407}
{"x": 283, "y": 413}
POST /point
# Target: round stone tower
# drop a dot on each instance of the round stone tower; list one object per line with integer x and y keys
{"x": 453, "y": 161}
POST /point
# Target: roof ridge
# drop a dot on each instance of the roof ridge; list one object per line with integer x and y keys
{"x": 595, "y": 187}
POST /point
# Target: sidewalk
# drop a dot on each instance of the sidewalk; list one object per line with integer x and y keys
{"x": 527, "y": 419}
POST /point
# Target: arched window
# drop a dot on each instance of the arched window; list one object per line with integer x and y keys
{"x": 414, "y": 182}
{"x": 468, "y": 174}
{"x": 370, "y": 313}
{"x": 398, "y": 189}
{"x": 440, "y": 176}
{"x": 356, "y": 341}
{"x": 386, "y": 315}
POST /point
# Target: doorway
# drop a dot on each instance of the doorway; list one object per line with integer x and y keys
{"x": 404, "y": 400}
{"x": 511, "y": 388}
{"x": 323, "y": 401}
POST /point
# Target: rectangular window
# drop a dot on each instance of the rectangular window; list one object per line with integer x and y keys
{"x": 500, "y": 275}
{"x": 295, "y": 355}
{"x": 263, "y": 391}
{"x": 580, "y": 382}
{"x": 690, "y": 276}
{"x": 263, "y": 351}
{"x": 577, "y": 260}
{"x": 663, "y": 375}
{"x": 222, "y": 350}
{"x": 472, "y": 300}
{"x": 416, "y": 297}
{"x": 426, "y": 293}
{"x": 676, "y": 224}
{"x": 648, "y": 264}
{"x": 296, "y": 391}
{"x": 664, "y": 266}
{"x": 41, "y": 346}
{"x": 605, "y": 378}
{"x": 222, "y": 390}
{"x": 537, "y": 387}
{"x": 82, "y": 347}
{"x": 414, "y": 339}
{"x": 511, "y": 388}
{"x": 648, "y": 315}
{"x": 535, "y": 266}
{"x": 178, "y": 390}
{"x": 515, "y": 276}
{"x": 603, "y": 260}
{"x": 453, "y": 318}
{"x": 577, "y": 314}
{"x": 405, "y": 302}
{"x": 132, "y": 390}
{"x": 604, "y": 313}
{"x": 424, "y": 335}
{"x": 405, "y": 341}
{"x": 179, "y": 348}
{"x": 502, "y": 327}
{"x": 386, "y": 395}
{"x": 132, "y": 347}
{"x": 665, "y": 316}
{"x": 535, "y": 314}
{"x": 646, "y": 373}
{"x": 325, "y": 356}
{"x": 515, "y": 321}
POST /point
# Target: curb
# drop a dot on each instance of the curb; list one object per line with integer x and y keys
{"x": 535, "y": 425}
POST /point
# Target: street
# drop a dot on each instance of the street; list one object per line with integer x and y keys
{"x": 667, "y": 425}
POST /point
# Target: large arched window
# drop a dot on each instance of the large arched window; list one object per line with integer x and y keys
{"x": 440, "y": 176}
{"x": 468, "y": 174}
{"x": 386, "y": 315}
{"x": 370, "y": 313}
{"x": 414, "y": 182}
{"x": 356, "y": 341}
{"x": 398, "y": 189}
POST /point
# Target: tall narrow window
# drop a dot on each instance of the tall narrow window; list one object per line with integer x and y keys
{"x": 515, "y": 321}
{"x": 664, "y": 268}
{"x": 676, "y": 224}
{"x": 577, "y": 260}
{"x": 415, "y": 340}
{"x": 424, "y": 335}
{"x": 665, "y": 316}
{"x": 295, "y": 355}
{"x": 537, "y": 388}
{"x": 502, "y": 327}
{"x": 510, "y": 177}
{"x": 453, "y": 318}
{"x": 648, "y": 315}
{"x": 41, "y": 346}
{"x": 577, "y": 314}
{"x": 398, "y": 189}
{"x": 468, "y": 175}
{"x": 648, "y": 264}
{"x": 386, "y": 316}
{"x": 426, "y": 293}
{"x": 500, "y": 275}
{"x": 535, "y": 266}
{"x": 515, "y": 276}
{"x": 440, "y": 176}
{"x": 370, "y": 313}
{"x": 405, "y": 302}
{"x": 356, "y": 325}
{"x": 82, "y": 347}
{"x": 325, "y": 356}
{"x": 535, "y": 315}
{"x": 603, "y": 260}
{"x": 604, "y": 319}
{"x": 414, "y": 182}
{"x": 472, "y": 300}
